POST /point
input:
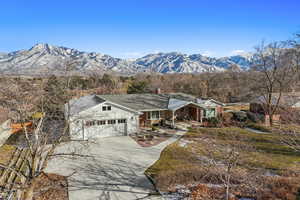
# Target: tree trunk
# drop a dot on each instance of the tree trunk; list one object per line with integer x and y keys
{"x": 28, "y": 194}
{"x": 227, "y": 191}
{"x": 227, "y": 186}
{"x": 271, "y": 119}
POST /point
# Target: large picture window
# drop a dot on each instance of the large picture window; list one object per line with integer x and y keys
{"x": 153, "y": 115}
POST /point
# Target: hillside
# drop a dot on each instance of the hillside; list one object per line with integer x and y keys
{"x": 45, "y": 58}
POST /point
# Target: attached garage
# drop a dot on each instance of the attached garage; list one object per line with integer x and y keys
{"x": 103, "y": 119}
{"x": 105, "y": 128}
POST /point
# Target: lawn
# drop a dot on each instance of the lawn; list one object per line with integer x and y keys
{"x": 184, "y": 162}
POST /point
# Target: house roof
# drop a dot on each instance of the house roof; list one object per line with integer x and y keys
{"x": 204, "y": 101}
{"x": 82, "y": 103}
{"x": 181, "y": 96}
{"x": 139, "y": 102}
{"x": 136, "y": 102}
{"x": 175, "y": 104}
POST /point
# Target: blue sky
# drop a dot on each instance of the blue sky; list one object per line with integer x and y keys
{"x": 132, "y": 28}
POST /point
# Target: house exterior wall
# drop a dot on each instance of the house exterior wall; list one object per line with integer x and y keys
{"x": 80, "y": 130}
{"x": 219, "y": 110}
{"x": 146, "y": 122}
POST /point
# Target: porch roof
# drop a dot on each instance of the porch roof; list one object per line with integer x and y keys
{"x": 175, "y": 104}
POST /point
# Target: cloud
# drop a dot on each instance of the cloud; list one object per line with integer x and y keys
{"x": 133, "y": 54}
{"x": 207, "y": 53}
{"x": 237, "y": 52}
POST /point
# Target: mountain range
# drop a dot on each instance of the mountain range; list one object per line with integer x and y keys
{"x": 50, "y": 59}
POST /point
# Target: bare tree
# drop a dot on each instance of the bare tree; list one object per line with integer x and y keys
{"x": 45, "y": 134}
{"x": 224, "y": 156}
{"x": 275, "y": 69}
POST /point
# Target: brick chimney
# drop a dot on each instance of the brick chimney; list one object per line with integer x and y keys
{"x": 157, "y": 91}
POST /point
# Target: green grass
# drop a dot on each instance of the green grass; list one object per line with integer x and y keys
{"x": 180, "y": 165}
{"x": 267, "y": 152}
{"x": 268, "y": 148}
{"x": 172, "y": 157}
{"x": 259, "y": 127}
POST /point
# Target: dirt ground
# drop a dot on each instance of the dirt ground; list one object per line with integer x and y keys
{"x": 51, "y": 186}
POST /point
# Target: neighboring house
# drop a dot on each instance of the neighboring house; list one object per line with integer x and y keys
{"x": 287, "y": 100}
{"x": 3, "y": 115}
{"x": 290, "y": 101}
{"x": 111, "y": 115}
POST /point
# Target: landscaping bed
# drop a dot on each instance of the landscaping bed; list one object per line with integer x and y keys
{"x": 268, "y": 169}
{"x": 151, "y": 138}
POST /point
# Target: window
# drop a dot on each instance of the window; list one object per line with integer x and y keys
{"x": 210, "y": 113}
{"x": 121, "y": 121}
{"x": 90, "y": 123}
{"x": 106, "y": 108}
{"x": 112, "y": 121}
{"x": 153, "y": 115}
{"x": 101, "y": 122}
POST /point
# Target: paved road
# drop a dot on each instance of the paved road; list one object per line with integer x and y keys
{"x": 115, "y": 170}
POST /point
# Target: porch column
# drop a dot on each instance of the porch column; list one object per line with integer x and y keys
{"x": 197, "y": 114}
{"x": 201, "y": 115}
{"x": 173, "y": 120}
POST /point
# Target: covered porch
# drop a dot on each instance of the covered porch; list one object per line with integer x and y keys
{"x": 185, "y": 111}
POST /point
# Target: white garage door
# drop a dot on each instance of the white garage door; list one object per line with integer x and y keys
{"x": 106, "y": 128}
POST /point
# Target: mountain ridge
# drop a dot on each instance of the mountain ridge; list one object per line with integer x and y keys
{"x": 45, "y": 58}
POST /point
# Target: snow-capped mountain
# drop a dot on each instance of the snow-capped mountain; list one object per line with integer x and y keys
{"x": 2, "y": 55}
{"x": 175, "y": 63}
{"x": 45, "y": 59}
{"x": 242, "y": 61}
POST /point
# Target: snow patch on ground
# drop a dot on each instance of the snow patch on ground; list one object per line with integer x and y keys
{"x": 184, "y": 143}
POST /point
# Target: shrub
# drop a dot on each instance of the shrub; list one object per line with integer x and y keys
{"x": 255, "y": 117}
{"x": 240, "y": 116}
{"x": 154, "y": 128}
{"x": 214, "y": 122}
{"x": 227, "y": 118}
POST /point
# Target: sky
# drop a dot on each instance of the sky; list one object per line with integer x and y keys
{"x": 133, "y": 28}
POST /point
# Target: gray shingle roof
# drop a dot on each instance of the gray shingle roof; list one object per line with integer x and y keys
{"x": 82, "y": 103}
{"x": 139, "y": 102}
{"x": 182, "y": 96}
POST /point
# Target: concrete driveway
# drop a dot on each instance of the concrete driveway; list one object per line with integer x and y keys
{"x": 114, "y": 169}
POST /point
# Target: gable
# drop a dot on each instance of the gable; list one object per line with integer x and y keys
{"x": 98, "y": 112}
{"x": 75, "y": 106}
